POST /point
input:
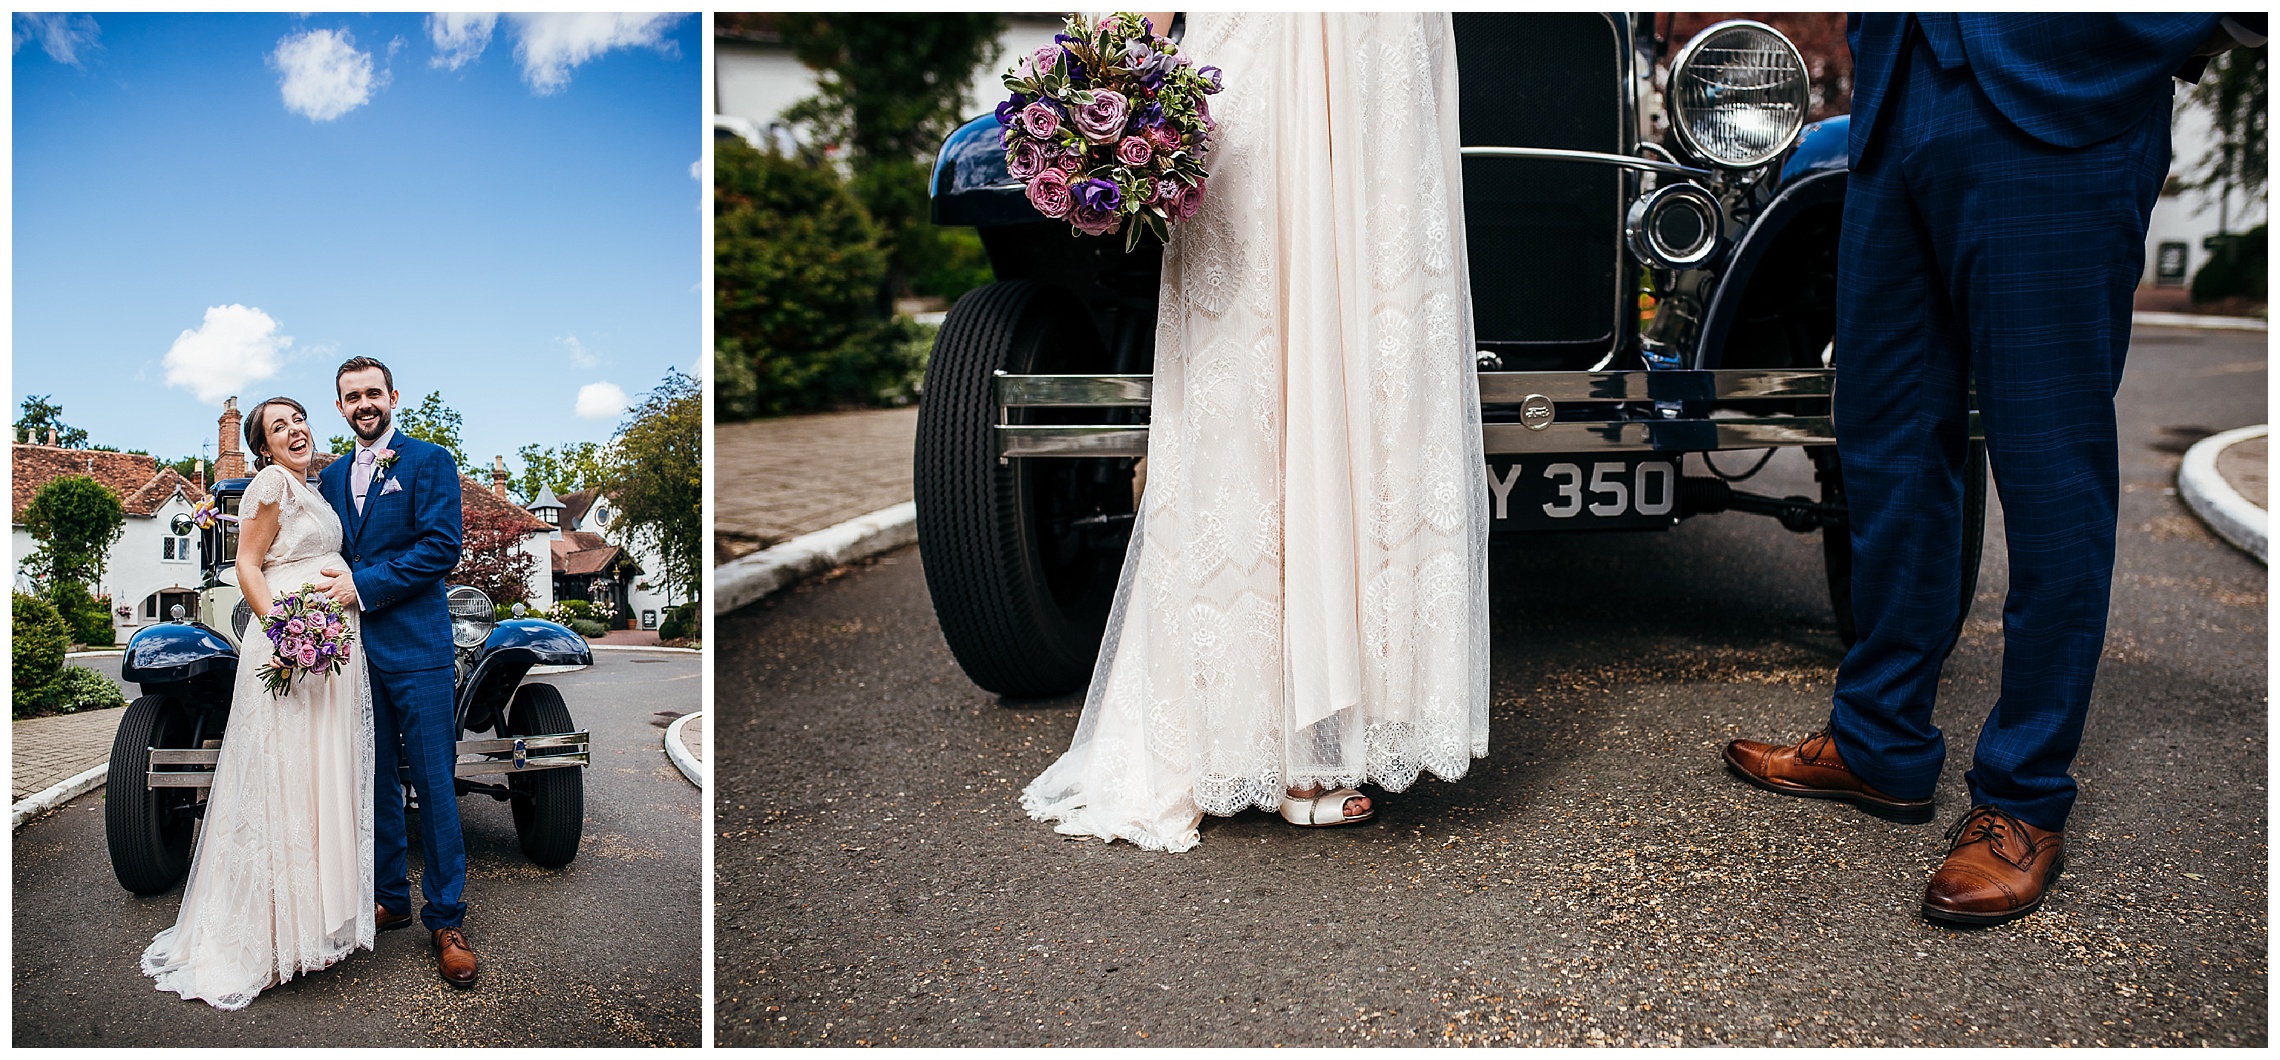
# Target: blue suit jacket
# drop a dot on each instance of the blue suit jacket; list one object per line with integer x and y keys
{"x": 400, "y": 550}
{"x": 2069, "y": 80}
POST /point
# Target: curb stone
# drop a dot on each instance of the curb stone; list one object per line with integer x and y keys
{"x": 682, "y": 760}
{"x": 2213, "y": 499}
{"x": 2196, "y": 320}
{"x": 41, "y": 802}
{"x": 744, "y": 580}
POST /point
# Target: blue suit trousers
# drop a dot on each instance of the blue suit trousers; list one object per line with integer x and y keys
{"x": 413, "y": 709}
{"x": 1973, "y": 251}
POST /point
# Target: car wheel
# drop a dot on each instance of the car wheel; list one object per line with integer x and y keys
{"x": 549, "y": 805}
{"x": 1836, "y": 542}
{"x": 1021, "y": 556}
{"x": 148, "y": 829}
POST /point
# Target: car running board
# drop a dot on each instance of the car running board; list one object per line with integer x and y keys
{"x": 194, "y": 767}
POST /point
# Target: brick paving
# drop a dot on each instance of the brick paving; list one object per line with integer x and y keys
{"x": 48, "y": 751}
{"x": 776, "y": 479}
{"x": 2245, "y": 468}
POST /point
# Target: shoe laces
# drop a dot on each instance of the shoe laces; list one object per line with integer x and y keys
{"x": 1986, "y": 824}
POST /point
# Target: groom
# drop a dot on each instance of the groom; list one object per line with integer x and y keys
{"x": 398, "y": 499}
{"x": 2003, "y": 170}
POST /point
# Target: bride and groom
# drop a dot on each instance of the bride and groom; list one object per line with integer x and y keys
{"x": 301, "y": 859}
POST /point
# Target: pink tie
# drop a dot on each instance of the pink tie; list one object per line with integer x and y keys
{"x": 360, "y": 476}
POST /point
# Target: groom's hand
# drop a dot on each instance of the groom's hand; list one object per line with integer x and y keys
{"x": 341, "y": 586}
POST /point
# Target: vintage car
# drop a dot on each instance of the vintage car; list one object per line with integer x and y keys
{"x": 162, "y": 759}
{"x": 1034, "y": 408}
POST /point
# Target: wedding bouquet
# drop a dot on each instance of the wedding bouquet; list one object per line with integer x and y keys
{"x": 1108, "y": 127}
{"x": 311, "y": 634}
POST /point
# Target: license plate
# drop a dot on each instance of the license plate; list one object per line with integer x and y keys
{"x": 1562, "y": 492}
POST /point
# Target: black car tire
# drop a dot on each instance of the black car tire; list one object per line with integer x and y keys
{"x": 1020, "y": 589}
{"x": 551, "y": 818}
{"x": 148, "y": 829}
{"x": 1837, "y": 553}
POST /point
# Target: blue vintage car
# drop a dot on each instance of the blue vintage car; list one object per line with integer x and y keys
{"x": 1036, "y": 397}
{"x": 162, "y": 759}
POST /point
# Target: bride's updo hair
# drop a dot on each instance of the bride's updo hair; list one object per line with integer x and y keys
{"x": 257, "y": 430}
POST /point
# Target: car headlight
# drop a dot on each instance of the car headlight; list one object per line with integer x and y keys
{"x": 1738, "y": 94}
{"x": 471, "y": 613}
{"x": 241, "y": 616}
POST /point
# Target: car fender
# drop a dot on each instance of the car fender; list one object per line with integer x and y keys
{"x": 970, "y": 185}
{"x": 1813, "y": 187}
{"x": 512, "y": 649}
{"x": 173, "y": 652}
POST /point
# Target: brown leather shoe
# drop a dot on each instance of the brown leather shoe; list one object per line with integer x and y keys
{"x": 1811, "y": 769}
{"x": 454, "y": 958}
{"x": 384, "y": 920}
{"x": 1999, "y": 869}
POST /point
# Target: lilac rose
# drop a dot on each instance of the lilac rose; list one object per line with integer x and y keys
{"x": 308, "y": 655}
{"x": 1101, "y": 120}
{"x": 1049, "y": 192}
{"x": 1191, "y": 200}
{"x": 1092, "y": 222}
{"x": 1134, "y": 151}
{"x": 1042, "y": 60}
{"x": 1040, "y": 120}
{"x": 1163, "y": 138}
{"x": 1026, "y": 160}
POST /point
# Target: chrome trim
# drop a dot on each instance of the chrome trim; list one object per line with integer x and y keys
{"x": 1678, "y": 68}
{"x": 1647, "y": 246}
{"x": 1561, "y": 154}
{"x": 1497, "y": 439}
{"x": 1023, "y": 391}
{"x": 574, "y": 750}
{"x": 1506, "y": 388}
{"x": 1023, "y": 440}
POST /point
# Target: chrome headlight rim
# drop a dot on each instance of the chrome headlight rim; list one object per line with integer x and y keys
{"x": 1641, "y": 228}
{"x": 471, "y": 612}
{"x": 1675, "y": 98}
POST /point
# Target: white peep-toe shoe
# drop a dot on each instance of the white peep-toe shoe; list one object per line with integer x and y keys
{"x": 1324, "y": 810}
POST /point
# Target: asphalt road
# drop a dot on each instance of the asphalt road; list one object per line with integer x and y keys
{"x": 604, "y": 951}
{"x": 1598, "y": 879}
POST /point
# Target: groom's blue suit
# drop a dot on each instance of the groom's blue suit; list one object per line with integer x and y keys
{"x": 399, "y": 549}
{"x": 2003, "y": 171}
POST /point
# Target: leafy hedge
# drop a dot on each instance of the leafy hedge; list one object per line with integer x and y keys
{"x": 680, "y": 622}
{"x": 40, "y": 641}
{"x": 86, "y": 615}
{"x": 75, "y": 689}
{"x": 2236, "y": 268}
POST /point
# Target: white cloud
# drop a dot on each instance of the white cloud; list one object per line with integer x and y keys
{"x": 324, "y": 75}
{"x": 236, "y": 345}
{"x": 600, "y": 401}
{"x": 551, "y": 45}
{"x": 62, "y": 37}
{"x": 579, "y": 355}
{"x": 697, "y": 171}
{"x": 459, "y": 36}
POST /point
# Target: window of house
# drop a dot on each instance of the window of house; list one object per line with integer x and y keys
{"x": 177, "y": 548}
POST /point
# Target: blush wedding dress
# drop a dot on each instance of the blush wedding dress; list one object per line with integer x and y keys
{"x": 1304, "y": 601}
{"x": 281, "y": 879}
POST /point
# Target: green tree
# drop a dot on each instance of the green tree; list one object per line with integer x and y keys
{"x": 2233, "y": 93}
{"x": 40, "y": 641}
{"x": 797, "y": 267}
{"x": 433, "y": 421}
{"x": 658, "y": 478}
{"x": 575, "y": 466}
{"x": 76, "y": 520}
{"x": 40, "y": 416}
{"x": 889, "y": 88}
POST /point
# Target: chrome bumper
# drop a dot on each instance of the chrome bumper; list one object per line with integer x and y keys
{"x": 1539, "y": 395}
{"x": 194, "y": 767}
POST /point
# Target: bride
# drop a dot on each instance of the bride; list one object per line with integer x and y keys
{"x": 1304, "y": 605}
{"x": 281, "y": 880}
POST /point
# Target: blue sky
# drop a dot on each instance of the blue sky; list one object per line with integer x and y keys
{"x": 501, "y": 211}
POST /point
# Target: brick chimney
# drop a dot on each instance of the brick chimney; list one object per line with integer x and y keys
{"x": 499, "y": 475}
{"x": 51, "y": 436}
{"x": 231, "y": 462}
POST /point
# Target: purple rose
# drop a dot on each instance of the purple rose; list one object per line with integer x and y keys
{"x": 1163, "y": 138}
{"x": 1026, "y": 160}
{"x": 1091, "y": 221}
{"x": 1098, "y": 194}
{"x": 1191, "y": 200}
{"x": 1134, "y": 151}
{"x": 294, "y": 626}
{"x": 308, "y": 655}
{"x": 1040, "y": 120}
{"x": 1101, "y": 120}
{"x": 1049, "y": 192}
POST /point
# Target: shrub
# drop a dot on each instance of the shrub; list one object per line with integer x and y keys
{"x": 588, "y": 629}
{"x": 75, "y": 689}
{"x": 680, "y": 622}
{"x": 40, "y": 641}
{"x": 2236, "y": 268}
{"x": 88, "y": 617}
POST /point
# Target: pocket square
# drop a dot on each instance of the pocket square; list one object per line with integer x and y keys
{"x": 393, "y": 486}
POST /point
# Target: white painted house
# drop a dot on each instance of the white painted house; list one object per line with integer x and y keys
{"x": 594, "y": 559}
{"x": 151, "y": 567}
{"x": 2181, "y": 220}
{"x": 755, "y": 75}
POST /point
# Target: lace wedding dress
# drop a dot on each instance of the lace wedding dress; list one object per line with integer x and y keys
{"x": 1305, "y": 597}
{"x": 281, "y": 879}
